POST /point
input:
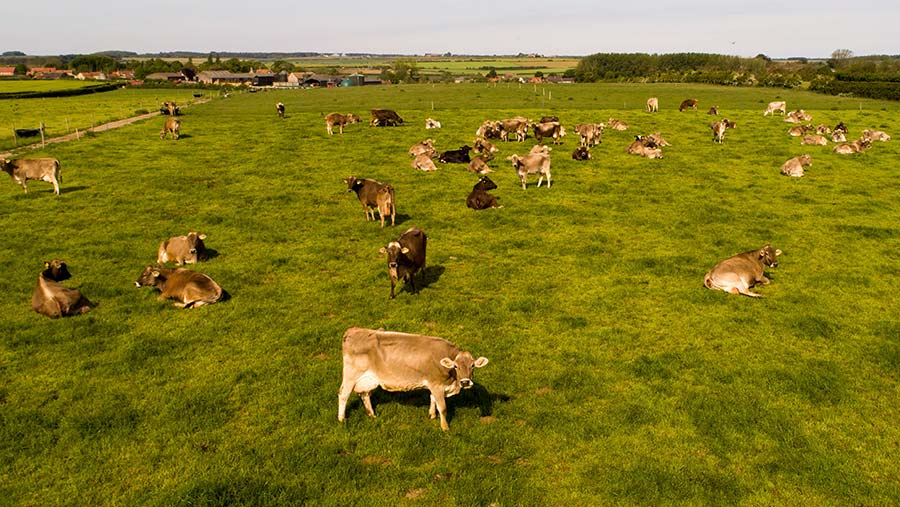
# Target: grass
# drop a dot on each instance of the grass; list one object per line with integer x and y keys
{"x": 42, "y": 85}
{"x": 615, "y": 377}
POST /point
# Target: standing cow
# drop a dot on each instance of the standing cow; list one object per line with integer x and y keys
{"x": 279, "y": 107}
{"x": 341, "y": 120}
{"x": 775, "y": 106}
{"x": 53, "y": 299}
{"x": 173, "y": 126}
{"x": 688, "y": 104}
{"x": 41, "y": 169}
{"x": 367, "y": 192}
{"x": 653, "y": 105}
{"x": 403, "y": 362}
{"x": 406, "y": 257}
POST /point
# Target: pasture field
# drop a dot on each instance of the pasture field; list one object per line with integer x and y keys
{"x": 615, "y": 377}
{"x": 81, "y": 111}
{"x": 42, "y": 85}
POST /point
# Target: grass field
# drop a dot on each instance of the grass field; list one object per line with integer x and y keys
{"x": 455, "y": 65}
{"x": 615, "y": 378}
{"x": 41, "y": 85}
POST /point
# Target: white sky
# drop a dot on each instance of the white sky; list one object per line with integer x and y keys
{"x": 780, "y": 28}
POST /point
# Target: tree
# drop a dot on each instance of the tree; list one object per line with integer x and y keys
{"x": 491, "y": 73}
{"x": 839, "y": 58}
{"x": 282, "y": 65}
{"x": 21, "y": 69}
{"x": 538, "y": 74}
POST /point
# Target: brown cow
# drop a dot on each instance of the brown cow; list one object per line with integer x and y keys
{"x": 719, "y": 129}
{"x": 713, "y": 111}
{"x": 489, "y": 130}
{"x": 640, "y": 147}
{"x": 591, "y": 133}
{"x": 53, "y": 299}
{"x": 187, "y": 249}
{"x": 367, "y": 193}
{"x": 479, "y": 198}
{"x": 798, "y": 116}
{"x": 341, "y": 120}
{"x": 41, "y": 169}
{"x": 814, "y": 140}
{"x": 173, "y": 126}
{"x": 478, "y": 164}
{"x": 403, "y": 362}
{"x": 581, "y": 153}
{"x": 775, "y": 106}
{"x": 688, "y": 104}
{"x": 550, "y": 129}
{"x": 385, "y": 118}
{"x": 737, "y": 274}
{"x": 615, "y": 124}
{"x": 876, "y": 135}
{"x": 533, "y": 163}
{"x": 431, "y": 123}
{"x": 857, "y": 146}
{"x": 426, "y": 147}
{"x": 794, "y": 166}
{"x": 517, "y": 126}
{"x": 800, "y": 130}
{"x": 485, "y": 148}
{"x": 279, "y": 108}
{"x": 406, "y": 257}
{"x": 384, "y": 200}
{"x": 189, "y": 288}
{"x": 653, "y": 105}
{"x": 423, "y": 162}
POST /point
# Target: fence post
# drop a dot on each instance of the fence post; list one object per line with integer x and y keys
{"x": 15, "y": 136}
{"x": 41, "y": 128}
{"x": 67, "y": 125}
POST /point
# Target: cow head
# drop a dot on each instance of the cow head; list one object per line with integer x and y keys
{"x": 768, "y": 256}
{"x": 805, "y": 159}
{"x": 352, "y": 118}
{"x": 197, "y": 249}
{"x": 462, "y": 367}
{"x": 351, "y": 183}
{"x": 56, "y": 270}
{"x": 393, "y": 251}
{"x": 150, "y": 277}
{"x": 485, "y": 184}
{"x": 6, "y": 166}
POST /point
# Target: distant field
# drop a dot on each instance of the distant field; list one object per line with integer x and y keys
{"x": 615, "y": 377}
{"x": 42, "y": 85}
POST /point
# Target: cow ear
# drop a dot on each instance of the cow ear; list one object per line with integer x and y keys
{"x": 202, "y": 236}
{"x": 404, "y": 250}
{"x": 778, "y": 252}
{"x": 448, "y": 363}
{"x": 46, "y": 265}
{"x": 155, "y": 273}
{"x": 383, "y": 250}
{"x": 481, "y": 361}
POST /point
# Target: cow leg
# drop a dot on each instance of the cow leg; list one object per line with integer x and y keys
{"x": 440, "y": 403}
{"x": 548, "y": 180}
{"x": 343, "y": 395}
{"x": 367, "y": 402}
{"x": 55, "y": 186}
{"x": 393, "y": 284}
{"x": 432, "y": 407}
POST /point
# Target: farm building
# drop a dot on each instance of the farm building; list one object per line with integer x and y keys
{"x": 85, "y": 76}
{"x": 228, "y": 77}
{"x": 7, "y": 71}
{"x": 165, "y": 76}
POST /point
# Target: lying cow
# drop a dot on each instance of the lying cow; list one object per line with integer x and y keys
{"x": 653, "y": 105}
{"x": 737, "y": 274}
{"x": 423, "y": 162}
{"x": 875, "y": 135}
{"x": 713, "y": 111}
{"x": 719, "y": 129}
{"x": 460, "y": 156}
{"x": 581, "y": 153}
{"x": 533, "y": 163}
{"x": 479, "y": 198}
{"x": 857, "y": 146}
{"x": 822, "y": 129}
{"x": 517, "y": 126}
{"x": 189, "y": 288}
{"x": 794, "y": 166}
{"x": 426, "y": 147}
{"x": 800, "y": 130}
{"x": 41, "y": 169}
{"x": 484, "y": 148}
{"x": 432, "y": 124}
{"x": 489, "y": 130}
{"x": 341, "y": 120}
{"x": 591, "y": 133}
{"x": 403, "y": 362}
{"x": 688, "y": 104}
{"x": 367, "y": 192}
{"x": 182, "y": 250}
{"x": 53, "y": 299}
{"x": 549, "y": 118}
{"x": 172, "y": 126}
{"x": 385, "y": 118}
{"x": 775, "y": 106}
{"x": 550, "y": 129}
{"x": 840, "y": 127}
{"x": 615, "y": 124}
{"x": 640, "y": 147}
{"x": 478, "y": 164}
{"x": 279, "y": 107}
{"x": 838, "y": 136}
{"x": 797, "y": 116}
{"x": 815, "y": 140}
{"x": 406, "y": 257}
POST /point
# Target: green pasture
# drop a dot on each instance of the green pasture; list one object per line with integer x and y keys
{"x": 615, "y": 377}
{"x": 42, "y": 85}
{"x": 62, "y": 115}
{"x": 455, "y": 65}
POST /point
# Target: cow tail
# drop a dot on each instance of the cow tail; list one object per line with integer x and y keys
{"x": 58, "y": 170}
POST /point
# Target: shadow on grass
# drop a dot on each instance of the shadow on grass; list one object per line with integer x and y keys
{"x": 476, "y": 397}
{"x": 66, "y": 190}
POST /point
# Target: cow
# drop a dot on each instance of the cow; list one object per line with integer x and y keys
{"x": 406, "y": 257}
{"x": 423, "y": 162}
{"x": 840, "y": 127}
{"x": 479, "y": 198}
{"x": 426, "y": 147}
{"x": 616, "y": 124}
{"x": 822, "y": 129}
{"x": 173, "y": 126}
{"x": 188, "y": 249}
{"x": 549, "y": 118}
{"x": 591, "y": 133}
{"x": 489, "y": 130}
{"x": 775, "y": 106}
{"x": 170, "y": 109}
{"x": 52, "y": 298}
{"x": 641, "y": 147}
{"x": 460, "y": 156}
{"x": 279, "y": 107}
{"x": 814, "y": 140}
{"x": 794, "y": 166}
{"x": 478, "y": 164}
{"x": 533, "y": 163}
{"x": 384, "y": 202}
{"x": 838, "y": 136}
{"x": 737, "y": 274}
{"x": 403, "y": 362}
{"x": 653, "y": 105}
{"x": 517, "y": 126}
{"x": 875, "y": 135}
{"x": 857, "y": 146}
{"x": 797, "y": 116}
{"x": 688, "y": 104}
{"x": 542, "y": 149}
{"x": 800, "y": 130}
{"x": 432, "y": 124}
{"x": 367, "y": 193}
{"x": 550, "y": 129}
{"x": 189, "y": 288}
{"x": 719, "y": 129}
{"x": 341, "y": 120}
{"x": 385, "y": 118}
{"x": 41, "y": 169}
{"x": 581, "y": 153}
{"x": 485, "y": 148}
{"x": 656, "y": 140}
{"x": 713, "y": 111}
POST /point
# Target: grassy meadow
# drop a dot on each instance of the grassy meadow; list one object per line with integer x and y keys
{"x": 615, "y": 377}
{"x": 42, "y": 85}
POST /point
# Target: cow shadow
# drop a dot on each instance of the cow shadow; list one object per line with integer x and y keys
{"x": 211, "y": 253}
{"x": 476, "y": 397}
{"x": 66, "y": 190}
{"x": 431, "y": 275}
{"x": 400, "y": 218}
{"x": 184, "y": 136}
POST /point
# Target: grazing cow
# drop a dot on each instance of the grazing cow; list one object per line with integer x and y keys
{"x": 187, "y": 249}
{"x": 713, "y": 111}
{"x": 653, "y": 105}
{"x": 432, "y": 124}
{"x": 460, "y": 156}
{"x": 549, "y": 118}
{"x": 517, "y": 126}
{"x": 53, "y": 299}
{"x": 406, "y": 257}
{"x": 403, "y": 362}
{"x": 340, "y": 120}
{"x": 426, "y": 147}
{"x": 737, "y": 274}
{"x": 838, "y": 136}
{"x": 479, "y": 198}
{"x": 279, "y": 107}
{"x": 794, "y": 166}
{"x": 822, "y": 129}
{"x": 489, "y": 130}
{"x": 478, "y": 164}
{"x": 550, "y": 129}
{"x": 485, "y": 148}
{"x": 814, "y": 140}
{"x": 189, "y": 288}
{"x": 797, "y": 116}
{"x": 640, "y": 146}
{"x": 423, "y": 162}
{"x": 591, "y": 133}
{"x": 875, "y": 135}
{"x": 533, "y": 163}
{"x": 173, "y": 126}
{"x": 385, "y": 118}
{"x": 581, "y": 153}
{"x": 367, "y": 193}
{"x": 41, "y": 169}
{"x": 688, "y": 104}
{"x": 719, "y": 129}
{"x": 616, "y": 124}
{"x": 857, "y": 146}
{"x": 799, "y": 130}
{"x": 384, "y": 201}
{"x": 775, "y": 106}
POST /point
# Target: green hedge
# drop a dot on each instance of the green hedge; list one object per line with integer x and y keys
{"x": 886, "y": 90}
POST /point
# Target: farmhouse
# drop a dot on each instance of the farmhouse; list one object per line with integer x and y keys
{"x": 266, "y": 78}
{"x": 85, "y": 76}
{"x": 7, "y": 71}
{"x": 165, "y": 76}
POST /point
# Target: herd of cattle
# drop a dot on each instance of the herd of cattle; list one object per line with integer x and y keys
{"x": 400, "y": 361}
